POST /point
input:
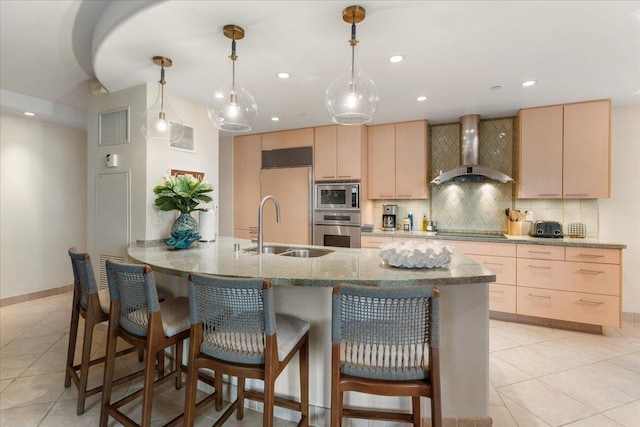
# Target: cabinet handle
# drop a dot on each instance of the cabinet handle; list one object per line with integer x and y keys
{"x": 497, "y": 292}
{"x": 404, "y": 195}
{"x": 344, "y": 176}
{"x": 540, "y": 252}
{"x": 583, "y": 271}
{"x": 545, "y": 267}
{"x": 386, "y": 195}
{"x": 328, "y": 176}
{"x": 493, "y": 263}
{"x": 584, "y": 301}
{"x": 540, "y": 296}
{"x": 577, "y": 194}
{"x": 590, "y": 255}
{"x": 548, "y": 194}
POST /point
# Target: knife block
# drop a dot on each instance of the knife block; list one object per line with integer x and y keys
{"x": 515, "y": 228}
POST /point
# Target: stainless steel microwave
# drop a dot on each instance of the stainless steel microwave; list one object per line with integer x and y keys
{"x": 337, "y": 196}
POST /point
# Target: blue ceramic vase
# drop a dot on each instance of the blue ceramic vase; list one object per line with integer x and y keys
{"x": 184, "y": 232}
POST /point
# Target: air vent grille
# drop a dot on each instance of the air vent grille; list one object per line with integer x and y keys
{"x": 114, "y": 127}
{"x": 187, "y": 142}
{"x": 287, "y": 158}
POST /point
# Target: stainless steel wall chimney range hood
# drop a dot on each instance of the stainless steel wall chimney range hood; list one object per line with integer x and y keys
{"x": 469, "y": 169}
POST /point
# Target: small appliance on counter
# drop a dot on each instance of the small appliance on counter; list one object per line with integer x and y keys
{"x": 549, "y": 229}
{"x": 389, "y": 217}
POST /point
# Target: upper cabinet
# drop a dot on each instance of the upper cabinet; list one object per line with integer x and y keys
{"x": 398, "y": 161}
{"x": 287, "y": 139}
{"x": 564, "y": 151}
{"x": 338, "y": 152}
{"x": 247, "y": 161}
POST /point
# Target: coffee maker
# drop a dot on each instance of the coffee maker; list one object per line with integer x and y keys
{"x": 389, "y": 215}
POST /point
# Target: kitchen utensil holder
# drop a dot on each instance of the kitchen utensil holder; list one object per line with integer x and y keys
{"x": 577, "y": 229}
{"x": 515, "y": 228}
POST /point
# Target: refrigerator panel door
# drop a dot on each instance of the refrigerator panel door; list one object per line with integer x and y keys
{"x": 291, "y": 186}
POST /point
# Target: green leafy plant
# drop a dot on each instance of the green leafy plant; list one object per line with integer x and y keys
{"x": 182, "y": 193}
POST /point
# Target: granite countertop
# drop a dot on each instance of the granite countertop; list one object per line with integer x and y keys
{"x": 588, "y": 242}
{"x": 362, "y": 266}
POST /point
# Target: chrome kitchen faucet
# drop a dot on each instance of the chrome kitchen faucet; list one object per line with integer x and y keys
{"x": 262, "y": 202}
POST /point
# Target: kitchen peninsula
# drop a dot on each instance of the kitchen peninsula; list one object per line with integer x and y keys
{"x": 303, "y": 288}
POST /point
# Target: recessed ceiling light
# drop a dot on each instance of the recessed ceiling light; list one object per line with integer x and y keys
{"x": 396, "y": 58}
{"x": 496, "y": 87}
{"x": 275, "y": 119}
{"x": 421, "y": 98}
{"x": 29, "y": 113}
{"x": 284, "y": 75}
{"x": 528, "y": 83}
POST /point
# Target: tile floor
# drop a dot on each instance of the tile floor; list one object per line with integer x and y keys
{"x": 539, "y": 376}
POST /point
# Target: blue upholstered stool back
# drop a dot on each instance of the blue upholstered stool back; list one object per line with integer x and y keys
{"x": 385, "y": 333}
{"x": 236, "y": 315}
{"x": 83, "y": 275}
{"x": 134, "y": 286}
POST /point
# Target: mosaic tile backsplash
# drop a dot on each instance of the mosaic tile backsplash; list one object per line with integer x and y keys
{"x": 479, "y": 207}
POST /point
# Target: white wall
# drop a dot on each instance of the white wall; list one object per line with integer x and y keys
{"x": 43, "y": 193}
{"x": 620, "y": 215}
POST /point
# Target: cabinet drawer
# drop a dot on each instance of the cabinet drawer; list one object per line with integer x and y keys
{"x": 502, "y": 298}
{"x": 541, "y": 252}
{"x": 592, "y": 278}
{"x": 607, "y": 256}
{"x": 540, "y": 273}
{"x": 569, "y": 306}
{"x": 503, "y": 267}
{"x": 484, "y": 248}
{"x": 374, "y": 241}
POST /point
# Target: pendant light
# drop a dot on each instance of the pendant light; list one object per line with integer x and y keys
{"x": 160, "y": 121}
{"x": 352, "y": 98}
{"x": 232, "y": 108}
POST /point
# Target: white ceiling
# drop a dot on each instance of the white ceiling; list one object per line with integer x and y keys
{"x": 455, "y": 51}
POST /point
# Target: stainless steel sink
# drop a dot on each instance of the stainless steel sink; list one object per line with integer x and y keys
{"x": 290, "y": 251}
{"x": 306, "y": 253}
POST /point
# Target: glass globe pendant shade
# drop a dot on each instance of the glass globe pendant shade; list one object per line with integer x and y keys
{"x": 232, "y": 108}
{"x": 352, "y": 97}
{"x": 160, "y": 121}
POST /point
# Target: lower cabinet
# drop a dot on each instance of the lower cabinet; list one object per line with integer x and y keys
{"x": 500, "y": 258}
{"x": 374, "y": 242}
{"x": 569, "y": 283}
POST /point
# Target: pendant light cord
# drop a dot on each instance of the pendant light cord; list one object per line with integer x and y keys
{"x": 162, "y": 82}
{"x": 233, "y": 63}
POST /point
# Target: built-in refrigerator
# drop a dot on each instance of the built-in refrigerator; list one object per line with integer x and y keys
{"x": 287, "y": 174}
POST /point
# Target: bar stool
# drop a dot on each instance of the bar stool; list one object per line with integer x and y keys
{"x": 140, "y": 319}
{"x": 93, "y": 306}
{"x": 235, "y": 331}
{"x": 385, "y": 342}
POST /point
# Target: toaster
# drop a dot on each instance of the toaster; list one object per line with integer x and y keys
{"x": 546, "y": 229}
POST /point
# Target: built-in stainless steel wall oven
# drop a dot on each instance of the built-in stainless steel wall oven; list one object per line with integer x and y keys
{"x": 336, "y": 215}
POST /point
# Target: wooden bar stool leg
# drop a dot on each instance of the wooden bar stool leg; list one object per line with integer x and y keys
{"x": 84, "y": 364}
{"x": 73, "y": 337}
{"x": 303, "y": 357}
{"x": 110, "y": 359}
{"x": 415, "y": 403}
{"x": 179, "y": 349}
{"x": 269, "y": 396}
{"x": 149, "y": 379}
{"x": 240, "y": 411}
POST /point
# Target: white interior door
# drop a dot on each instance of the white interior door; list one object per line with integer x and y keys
{"x": 112, "y": 222}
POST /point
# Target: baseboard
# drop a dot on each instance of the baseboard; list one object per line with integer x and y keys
{"x": 35, "y": 295}
{"x": 629, "y": 316}
{"x": 541, "y": 321}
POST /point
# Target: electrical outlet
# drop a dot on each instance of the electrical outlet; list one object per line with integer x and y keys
{"x": 528, "y": 215}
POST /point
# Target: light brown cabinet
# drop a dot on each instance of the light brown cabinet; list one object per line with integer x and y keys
{"x": 338, "y": 152}
{"x": 570, "y": 283}
{"x": 398, "y": 160}
{"x": 247, "y": 161}
{"x": 500, "y": 259}
{"x": 564, "y": 151}
{"x": 288, "y": 139}
{"x": 374, "y": 242}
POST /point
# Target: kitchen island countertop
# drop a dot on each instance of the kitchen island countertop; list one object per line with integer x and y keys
{"x": 362, "y": 266}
